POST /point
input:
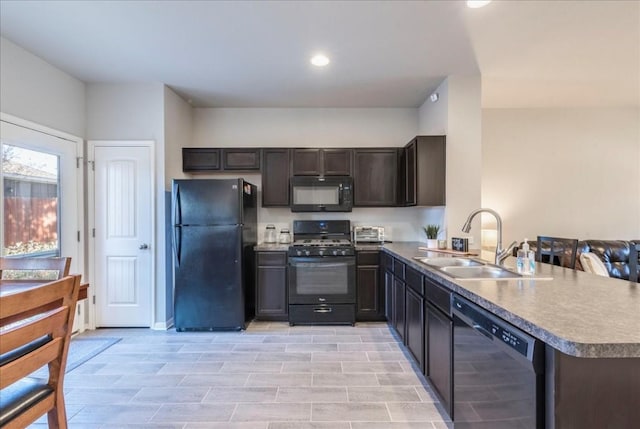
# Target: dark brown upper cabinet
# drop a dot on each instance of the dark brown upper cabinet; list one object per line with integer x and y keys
{"x": 241, "y": 159}
{"x": 204, "y": 159}
{"x": 195, "y": 159}
{"x": 318, "y": 162}
{"x": 375, "y": 177}
{"x": 423, "y": 172}
{"x": 275, "y": 177}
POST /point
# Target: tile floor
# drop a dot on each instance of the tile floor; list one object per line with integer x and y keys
{"x": 270, "y": 376}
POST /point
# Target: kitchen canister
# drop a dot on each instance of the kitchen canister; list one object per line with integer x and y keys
{"x": 285, "y": 236}
{"x": 270, "y": 234}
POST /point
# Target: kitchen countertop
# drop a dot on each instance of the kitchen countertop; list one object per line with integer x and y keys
{"x": 579, "y": 314}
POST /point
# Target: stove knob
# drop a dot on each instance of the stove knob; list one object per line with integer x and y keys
{"x": 306, "y": 252}
{"x": 298, "y": 252}
{"x": 335, "y": 252}
{"x": 344, "y": 252}
{"x": 320, "y": 252}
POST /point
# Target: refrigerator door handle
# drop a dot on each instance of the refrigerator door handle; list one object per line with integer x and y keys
{"x": 177, "y": 219}
{"x": 177, "y": 243}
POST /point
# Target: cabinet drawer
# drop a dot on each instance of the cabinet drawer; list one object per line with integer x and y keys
{"x": 322, "y": 314}
{"x": 439, "y": 296}
{"x": 364, "y": 257}
{"x": 414, "y": 279}
{"x": 272, "y": 258}
{"x": 399, "y": 268}
{"x": 200, "y": 159}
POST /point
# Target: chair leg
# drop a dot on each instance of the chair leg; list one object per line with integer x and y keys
{"x": 57, "y": 416}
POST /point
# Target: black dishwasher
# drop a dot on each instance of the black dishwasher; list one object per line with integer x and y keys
{"x": 498, "y": 372}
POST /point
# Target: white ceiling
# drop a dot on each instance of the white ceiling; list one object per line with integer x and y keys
{"x": 383, "y": 53}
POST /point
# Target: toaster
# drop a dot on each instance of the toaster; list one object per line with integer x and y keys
{"x": 368, "y": 234}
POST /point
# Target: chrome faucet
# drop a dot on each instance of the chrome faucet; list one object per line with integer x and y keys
{"x": 501, "y": 254}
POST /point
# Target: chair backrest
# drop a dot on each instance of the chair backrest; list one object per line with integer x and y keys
{"x": 634, "y": 263}
{"x": 35, "y": 268}
{"x": 557, "y": 251}
{"x": 35, "y": 330}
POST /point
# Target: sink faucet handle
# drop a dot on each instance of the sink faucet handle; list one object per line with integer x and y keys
{"x": 502, "y": 254}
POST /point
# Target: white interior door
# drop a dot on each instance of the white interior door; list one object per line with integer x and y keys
{"x": 123, "y": 232}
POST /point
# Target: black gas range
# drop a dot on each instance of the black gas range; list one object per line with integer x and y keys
{"x": 322, "y": 273}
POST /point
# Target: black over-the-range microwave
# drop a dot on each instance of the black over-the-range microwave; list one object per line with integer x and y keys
{"x": 321, "y": 194}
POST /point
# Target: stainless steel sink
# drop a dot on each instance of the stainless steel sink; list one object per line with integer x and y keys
{"x": 449, "y": 262}
{"x": 480, "y": 272}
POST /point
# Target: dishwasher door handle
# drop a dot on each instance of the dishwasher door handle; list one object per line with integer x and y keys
{"x": 482, "y": 331}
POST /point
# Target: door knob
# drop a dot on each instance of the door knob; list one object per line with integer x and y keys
{"x": 144, "y": 246}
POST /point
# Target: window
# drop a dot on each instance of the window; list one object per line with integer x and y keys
{"x": 40, "y": 193}
{"x": 31, "y": 210}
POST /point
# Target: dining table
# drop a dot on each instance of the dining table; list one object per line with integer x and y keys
{"x": 11, "y": 286}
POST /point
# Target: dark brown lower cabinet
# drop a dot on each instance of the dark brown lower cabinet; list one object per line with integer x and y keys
{"x": 386, "y": 262}
{"x": 271, "y": 286}
{"x": 398, "y": 306}
{"x": 439, "y": 354}
{"x": 388, "y": 293}
{"x": 369, "y": 292}
{"x": 590, "y": 393}
{"x": 414, "y": 320}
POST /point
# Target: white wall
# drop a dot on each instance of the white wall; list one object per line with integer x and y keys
{"x": 563, "y": 172}
{"x": 464, "y": 154}
{"x": 33, "y": 89}
{"x": 457, "y": 114}
{"x": 310, "y": 127}
{"x": 178, "y": 115}
{"x": 178, "y": 130}
{"x": 135, "y": 112}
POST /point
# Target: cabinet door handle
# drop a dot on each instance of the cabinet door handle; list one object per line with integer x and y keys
{"x": 322, "y": 310}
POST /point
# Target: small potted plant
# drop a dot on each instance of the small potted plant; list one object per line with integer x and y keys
{"x": 432, "y": 231}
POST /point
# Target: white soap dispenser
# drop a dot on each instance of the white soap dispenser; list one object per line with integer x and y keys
{"x": 523, "y": 265}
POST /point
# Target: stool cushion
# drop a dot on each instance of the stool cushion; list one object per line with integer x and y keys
{"x": 20, "y": 396}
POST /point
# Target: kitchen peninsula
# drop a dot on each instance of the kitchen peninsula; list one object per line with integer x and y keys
{"x": 590, "y": 326}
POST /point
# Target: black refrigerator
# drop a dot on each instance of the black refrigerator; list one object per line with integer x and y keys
{"x": 214, "y": 232}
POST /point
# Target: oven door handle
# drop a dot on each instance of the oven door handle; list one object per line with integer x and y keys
{"x": 321, "y": 264}
{"x": 323, "y": 310}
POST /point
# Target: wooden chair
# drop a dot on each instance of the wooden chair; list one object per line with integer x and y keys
{"x": 38, "y": 268}
{"x": 634, "y": 253}
{"x": 35, "y": 330}
{"x": 557, "y": 251}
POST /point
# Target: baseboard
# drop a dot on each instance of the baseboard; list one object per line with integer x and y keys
{"x": 163, "y": 326}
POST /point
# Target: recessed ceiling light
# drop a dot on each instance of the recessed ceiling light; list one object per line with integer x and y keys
{"x": 319, "y": 60}
{"x": 474, "y": 4}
